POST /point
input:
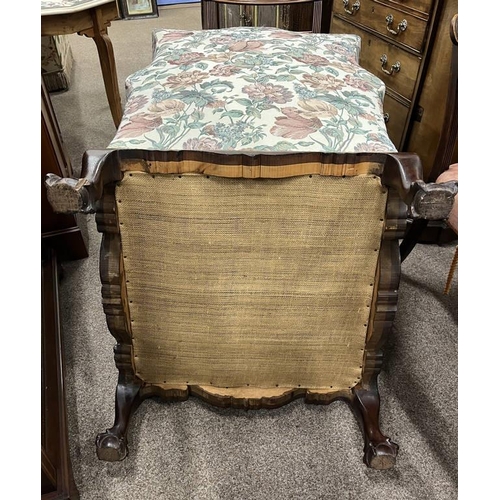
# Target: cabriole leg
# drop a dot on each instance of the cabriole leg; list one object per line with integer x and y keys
{"x": 112, "y": 444}
{"x": 380, "y": 451}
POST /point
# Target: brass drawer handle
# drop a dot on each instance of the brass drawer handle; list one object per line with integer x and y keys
{"x": 355, "y": 7}
{"x": 386, "y": 117}
{"x": 401, "y": 26}
{"x": 394, "y": 68}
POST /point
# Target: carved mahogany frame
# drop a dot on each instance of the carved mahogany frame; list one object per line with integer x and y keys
{"x": 401, "y": 173}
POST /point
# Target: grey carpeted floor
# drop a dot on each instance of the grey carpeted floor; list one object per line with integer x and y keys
{"x": 190, "y": 450}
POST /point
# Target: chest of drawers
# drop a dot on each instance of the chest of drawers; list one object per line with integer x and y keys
{"x": 397, "y": 39}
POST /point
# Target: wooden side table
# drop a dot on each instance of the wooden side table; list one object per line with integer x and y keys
{"x": 90, "y": 18}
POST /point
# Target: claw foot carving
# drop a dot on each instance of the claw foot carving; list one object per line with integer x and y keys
{"x": 111, "y": 447}
{"x": 381, "y": 455}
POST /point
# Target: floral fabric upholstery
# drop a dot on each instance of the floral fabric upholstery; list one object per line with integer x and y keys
{"x": 254, "y": 89}
{"x": 49, "y": 7}
{"x": 56, "y": 61}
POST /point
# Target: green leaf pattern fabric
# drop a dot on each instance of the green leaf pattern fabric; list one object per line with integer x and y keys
{"x": 254, "y": 89}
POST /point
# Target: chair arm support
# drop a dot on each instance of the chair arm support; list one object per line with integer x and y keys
{"x": 67, "y": 195}
{"x": 402, "y": 171}
{"x": 430, "y": 201}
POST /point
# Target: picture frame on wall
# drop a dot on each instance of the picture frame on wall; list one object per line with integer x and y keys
{"x": 138, "y": 9}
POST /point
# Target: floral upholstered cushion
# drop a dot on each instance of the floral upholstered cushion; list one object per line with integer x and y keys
{"x": 254, "y": 89}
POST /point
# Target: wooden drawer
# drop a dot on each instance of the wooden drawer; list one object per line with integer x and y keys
{"x": 419, "y": 7}
{"x": 395, "y": 115}
{"x": 373, "y": 15}
{"x": 373, "y": 48}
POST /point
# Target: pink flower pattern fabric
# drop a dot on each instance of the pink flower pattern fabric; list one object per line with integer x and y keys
{"x": 253, "y": 90}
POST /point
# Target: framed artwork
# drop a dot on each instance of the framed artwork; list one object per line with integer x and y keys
{"x": 134, "y": 9}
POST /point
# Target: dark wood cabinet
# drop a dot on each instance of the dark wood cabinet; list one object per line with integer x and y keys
{"x": 295, "y": 15}
{"x": 62, "y": 239}
{"x": 56, "y": 471}
{"x": 64, "y": 233}
{"x": 406, "y": 44}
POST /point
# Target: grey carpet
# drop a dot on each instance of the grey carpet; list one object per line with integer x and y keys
{"x": 184, "y": 451}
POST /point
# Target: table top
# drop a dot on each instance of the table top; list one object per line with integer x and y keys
{"x": 54, "y": 7}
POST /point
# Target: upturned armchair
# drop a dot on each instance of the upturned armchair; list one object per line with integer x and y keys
{"x": 251, "y": 206}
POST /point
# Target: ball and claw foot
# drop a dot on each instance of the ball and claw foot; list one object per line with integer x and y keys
{"x": 110, "y": 447}
{"x": 381, "y": 455}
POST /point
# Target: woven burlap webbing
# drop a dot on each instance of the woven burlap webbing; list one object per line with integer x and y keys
{"x": 260, "y": 283}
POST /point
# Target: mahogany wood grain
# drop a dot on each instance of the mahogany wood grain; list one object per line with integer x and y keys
{"x": 395, "y": 114}
{"x": 448, "y": 141}
{"x": 449, "y": 133}
{"x": 418, "y": 130}
{"x": 61, "y": 239}
{"x": 56, "y": 471}
{"x": 415, "y": 6}
{"x": 62, "y": 232}
{"x": 380, "y": 451}
{"x": 112, "y": 444}
{"x": 426, "y": 133}
{"x": 401, "y": 82}
{"x": 372, "y": 15}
